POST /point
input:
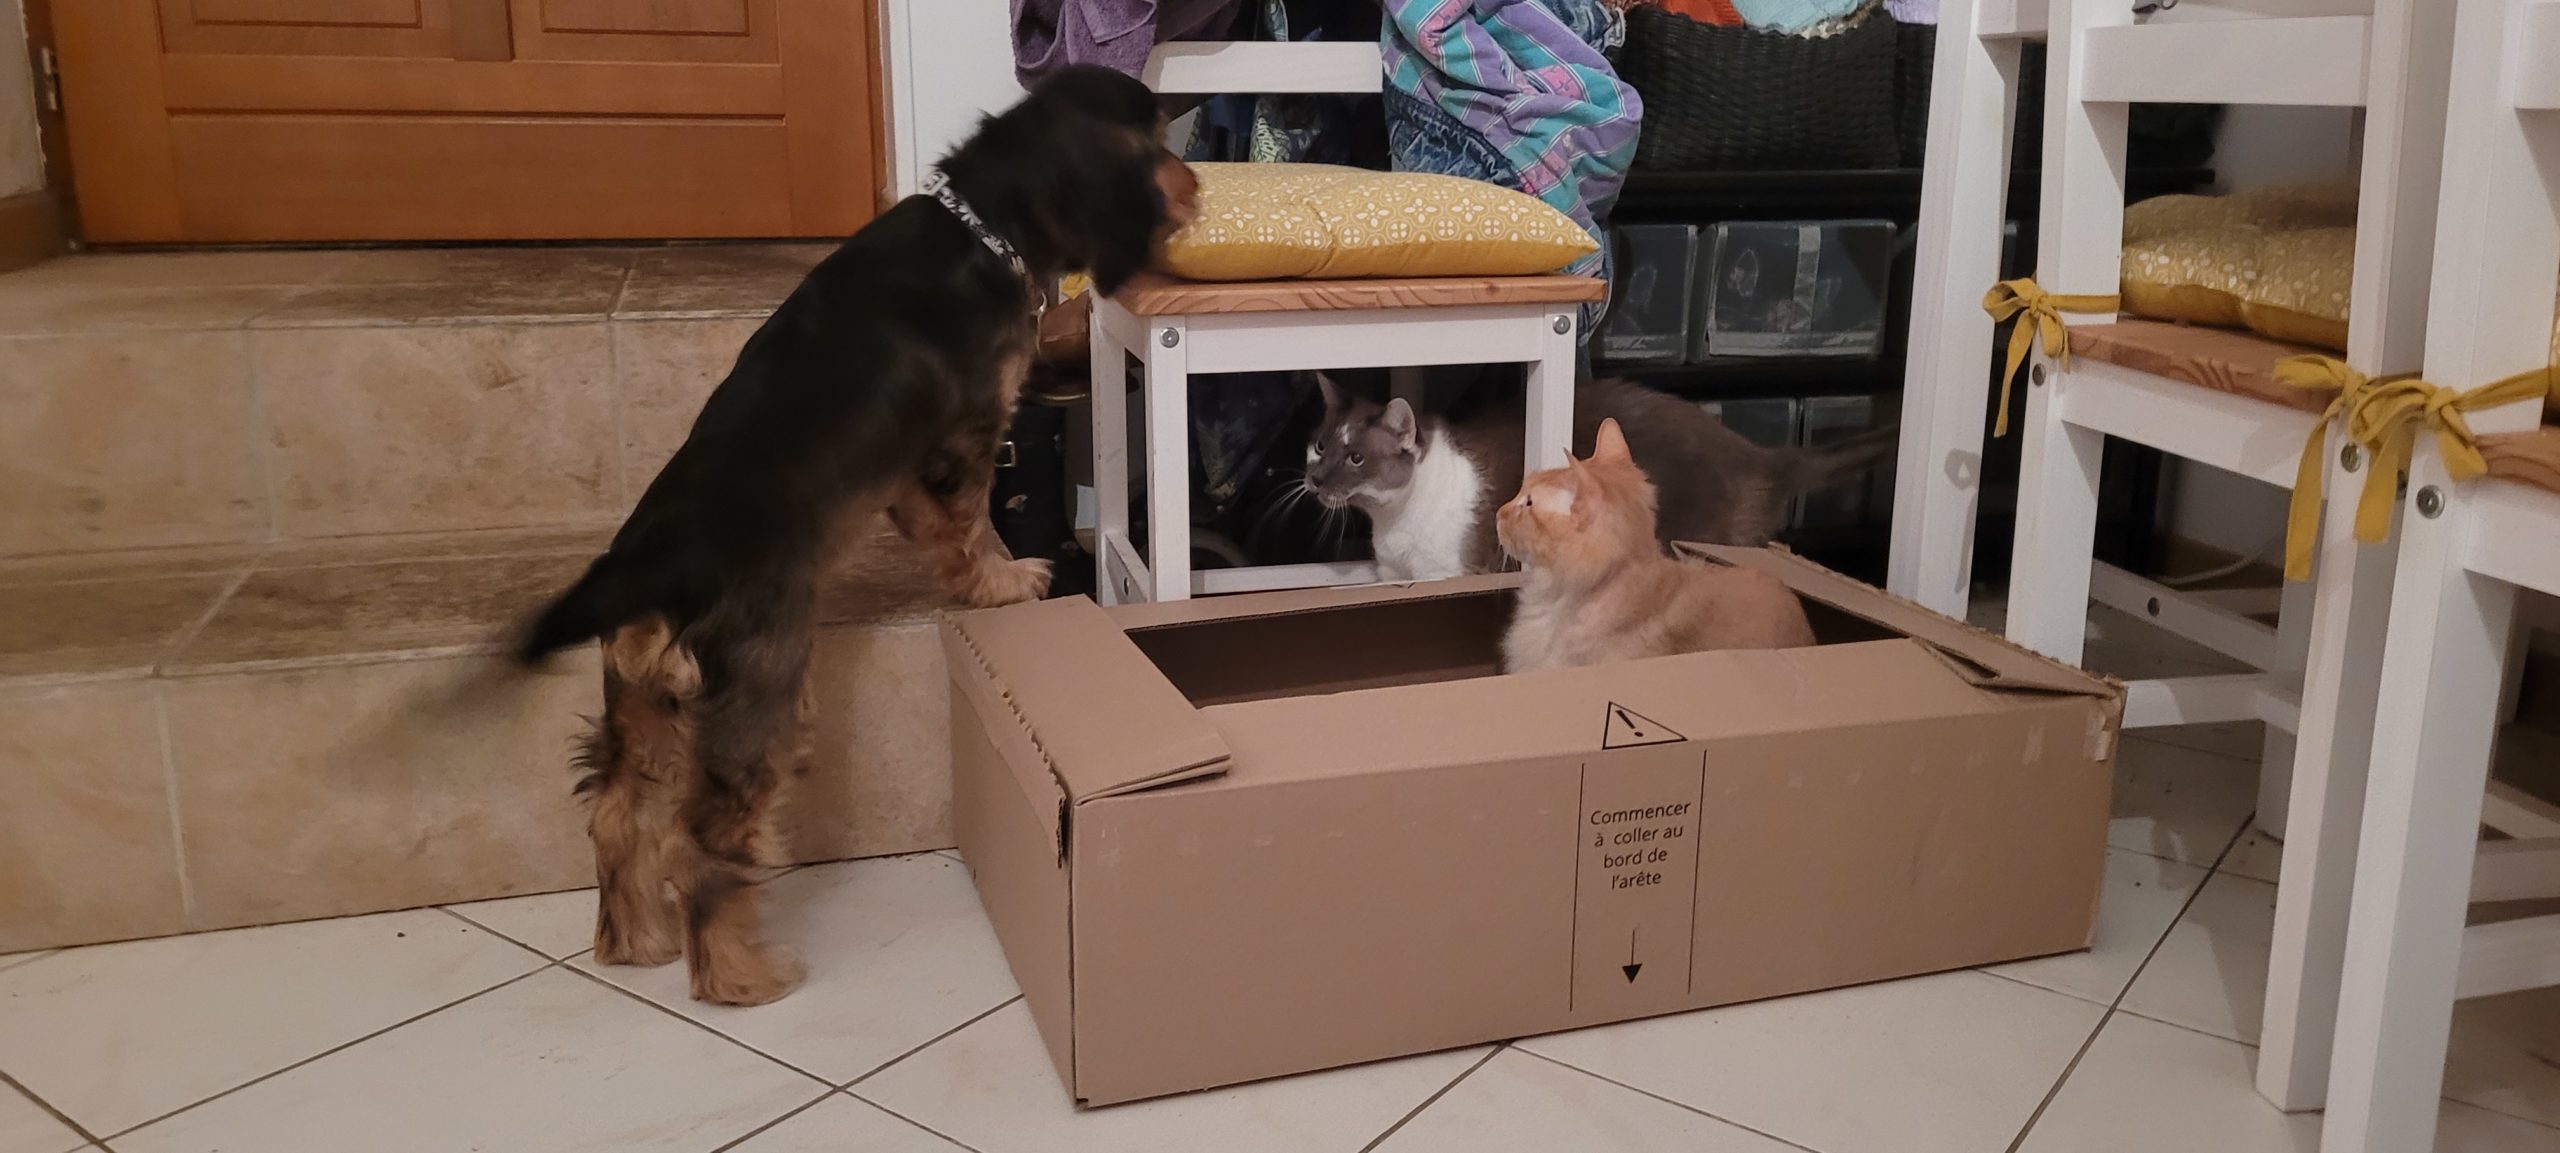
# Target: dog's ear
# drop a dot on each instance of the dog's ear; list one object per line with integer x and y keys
{"x": 1128, "y": 212}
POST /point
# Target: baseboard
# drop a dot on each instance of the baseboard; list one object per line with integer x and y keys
{"x": 31, "y": 229}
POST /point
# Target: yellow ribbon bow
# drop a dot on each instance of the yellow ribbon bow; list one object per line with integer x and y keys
{"x": 2383, "y": 417}
{"x": 2039, "y": 315}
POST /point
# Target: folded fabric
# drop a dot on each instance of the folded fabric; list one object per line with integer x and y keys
{"x": 1794, "y": 15}
{"x": 1718, "y": 12}
{"x": 1912, "y": 11}
{"x": 1118, "y": 34}
{"x": 1517, "y": 93}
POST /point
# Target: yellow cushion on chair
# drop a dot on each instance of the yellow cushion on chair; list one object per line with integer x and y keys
{"x": 1299, "y": 221}
{"x": 2276, "y": 261}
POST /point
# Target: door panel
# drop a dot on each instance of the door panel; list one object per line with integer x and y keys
{"x": 666, "y": 31}
{"x": 311, "y": 120}
{"x": 294, "y": 27}
{"x": 698, "y": 17}
{"x": 424, "y": 178}
{"x": 385, "y": 13}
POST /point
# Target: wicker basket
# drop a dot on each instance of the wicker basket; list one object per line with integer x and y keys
{"x": 1916, "y": 51}
{"x": 1740, "y": 99}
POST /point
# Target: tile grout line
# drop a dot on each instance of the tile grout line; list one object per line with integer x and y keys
{"x": 204, "y": 620}
{"x": 261, "y": 428}
{"x": 760, "y": 1130}
{"x": 449, "y": 911}
{"x": 644, "y": 1000}
{"x": 936, "y": 1039}
{"x": 910, "y": 1120}
{"x": 1674, "y": 1103}
{"x": 77, "y": 1129}
{"x": 331, "y": 1051}
{"x": 177, "y": 820}
{"x": 2113, "y": 1007}
{"x": 613, "y": 388}
{"x": 1435, "y": 1097}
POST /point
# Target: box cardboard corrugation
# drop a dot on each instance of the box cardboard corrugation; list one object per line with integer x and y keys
{"x": 1230, "y": 839}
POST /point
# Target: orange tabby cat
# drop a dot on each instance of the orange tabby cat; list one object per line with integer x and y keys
{"x": 1601, "y": 589}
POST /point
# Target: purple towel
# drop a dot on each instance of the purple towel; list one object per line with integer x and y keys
{"x": 1117, "y": 34}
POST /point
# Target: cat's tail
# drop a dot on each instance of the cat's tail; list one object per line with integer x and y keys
{"x": 1827, "y": 466}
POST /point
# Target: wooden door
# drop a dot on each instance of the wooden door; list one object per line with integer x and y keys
{"x": 319, "y": 120}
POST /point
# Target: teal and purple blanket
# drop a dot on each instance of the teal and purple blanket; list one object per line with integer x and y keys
{"x": 1515, "y": 92}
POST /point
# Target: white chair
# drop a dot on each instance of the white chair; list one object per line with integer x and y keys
{"x": 2467, "y": 546}
{"x": 1178, "y": 329}
{"x": 1975, "y": 89}
{"x": 2212, "y": 398}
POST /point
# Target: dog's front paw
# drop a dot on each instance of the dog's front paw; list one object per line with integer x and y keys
{"x": 757, "y": 976}
{"x": 1009, "y": 582}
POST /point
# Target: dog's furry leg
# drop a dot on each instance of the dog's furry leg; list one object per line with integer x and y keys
{"x": 640, "y": 765}
{"x": 749, "y": 744}
{"x": 944, "y": 510}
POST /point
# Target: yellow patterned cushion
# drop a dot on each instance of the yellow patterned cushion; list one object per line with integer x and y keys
{"x": 1319, "y": 221}
{"x": 2276, "y": 261}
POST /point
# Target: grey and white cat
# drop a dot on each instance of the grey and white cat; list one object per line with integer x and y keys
{"x": 1430, "y": 487}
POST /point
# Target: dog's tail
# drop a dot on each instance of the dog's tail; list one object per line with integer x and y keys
{"x": 1815, "y": 469}
{"x": 601, "y": 601}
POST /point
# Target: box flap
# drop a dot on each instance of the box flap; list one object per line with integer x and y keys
{"x": 1988, "y": 661}
{"x": 1165, "y": 614}
{"x": 1101, "y": 715}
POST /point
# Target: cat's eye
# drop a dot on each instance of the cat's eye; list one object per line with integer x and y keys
{"x": 1357, "y": 461}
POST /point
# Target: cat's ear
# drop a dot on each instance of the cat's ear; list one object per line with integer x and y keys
{"x": 1332, "y": 393}
{"x": 1611, "y": 445}
{"x": 1400, "y": 423}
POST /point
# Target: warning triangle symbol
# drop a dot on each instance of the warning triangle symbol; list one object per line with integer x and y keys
{"x": 1629, "y": 729}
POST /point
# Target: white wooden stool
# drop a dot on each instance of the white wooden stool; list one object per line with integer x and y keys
{"x": 1178, "y": 329}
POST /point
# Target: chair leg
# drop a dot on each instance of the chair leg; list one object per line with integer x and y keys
{"x": 2276, "y": 756}
{"x": 2350, "y": 596}
{"x": 1110, "y": 449}
{"x": 1408, "y": 385}
{"x": 2431, "y": 748}
{"x": 1168, "y": 406}
{"x": 1550, "y": 394}
{"x": 1938, "y": 477}
{"x": 2057, "y": 527}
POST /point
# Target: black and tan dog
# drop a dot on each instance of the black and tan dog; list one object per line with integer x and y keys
{"x": 884, "y": 382}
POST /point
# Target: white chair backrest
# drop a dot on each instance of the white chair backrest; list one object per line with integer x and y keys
{"x": 1217, "y": 67}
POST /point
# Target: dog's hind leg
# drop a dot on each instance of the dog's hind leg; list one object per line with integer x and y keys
{"x": 640, "y": 768}
{"x": 944, "y": 509}
{"x": 751, "y": 745}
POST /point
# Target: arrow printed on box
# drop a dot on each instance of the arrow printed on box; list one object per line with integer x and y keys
{"x": 1633, "y": 966}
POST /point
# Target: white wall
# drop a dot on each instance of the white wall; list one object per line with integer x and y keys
{"x": 950, "y": 62}
{"x": 2258, "y": 147}
{"x": 21, "y": 158}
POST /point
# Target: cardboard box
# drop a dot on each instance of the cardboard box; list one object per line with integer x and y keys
{"x": 1230, "y": 839}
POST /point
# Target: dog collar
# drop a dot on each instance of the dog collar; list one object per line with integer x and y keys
{"x": 938, "y": 186}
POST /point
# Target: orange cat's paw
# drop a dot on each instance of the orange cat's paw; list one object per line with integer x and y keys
{"x": 1009, "y": 582}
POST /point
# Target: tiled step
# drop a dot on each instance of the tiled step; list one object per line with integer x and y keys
{"x": 221, "y": 736}
{"x": 264, "y": 517}
{"x": 163, "y": 399}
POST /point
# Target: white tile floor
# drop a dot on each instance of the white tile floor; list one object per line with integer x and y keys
{"x": 485, "y": 1027}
